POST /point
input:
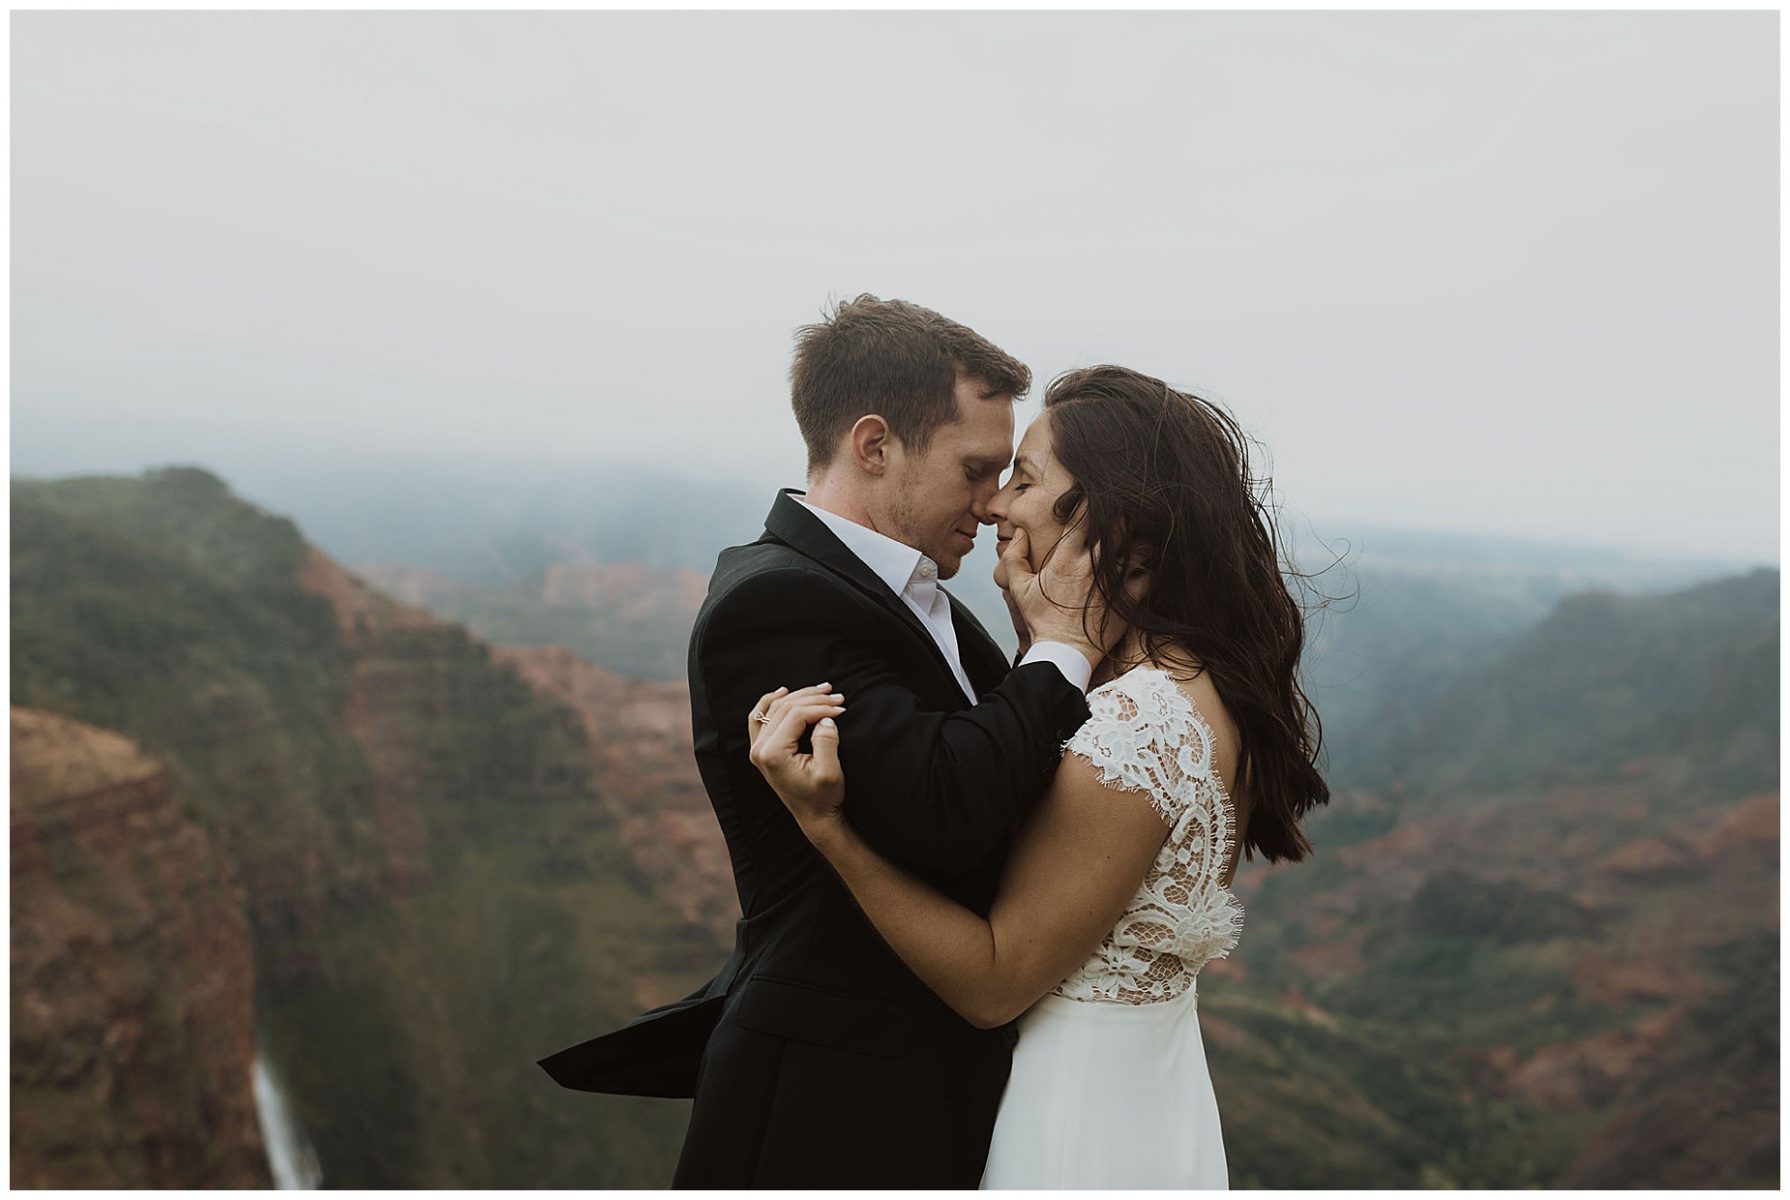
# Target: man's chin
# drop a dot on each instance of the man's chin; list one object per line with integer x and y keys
{"x": 948, "y": 566}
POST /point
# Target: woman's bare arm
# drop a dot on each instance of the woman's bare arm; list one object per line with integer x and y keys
{"x": 1078, "y": 861}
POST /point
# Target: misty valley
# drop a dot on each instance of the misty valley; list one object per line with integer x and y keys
{"x": 327, "y": 826}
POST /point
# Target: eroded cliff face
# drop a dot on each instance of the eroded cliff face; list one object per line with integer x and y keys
{"x": 133, "y": 976}
{"x": 632, "y": 618}
{"x": 644, "y": 764}
{"x": 520, "y": 905}
{"x": 436, "y": 894}
{"x": 625, "y": 592}
{"x": 641, "y": 750}
{"x": 381, "y": 701}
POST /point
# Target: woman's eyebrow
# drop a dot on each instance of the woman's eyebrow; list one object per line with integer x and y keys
{"x": 1022, "y": 463}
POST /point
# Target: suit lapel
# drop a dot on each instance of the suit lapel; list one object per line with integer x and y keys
{"x": 796, "y": 527}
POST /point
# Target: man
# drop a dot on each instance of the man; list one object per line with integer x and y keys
{"x": 816, "y": 1057}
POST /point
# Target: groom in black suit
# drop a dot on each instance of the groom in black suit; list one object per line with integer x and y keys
{"x": 816, "y": 1057}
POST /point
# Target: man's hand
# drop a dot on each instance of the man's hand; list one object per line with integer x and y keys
{"x": 1060, "y": 602}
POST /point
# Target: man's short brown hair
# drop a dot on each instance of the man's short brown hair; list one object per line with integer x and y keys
{"x": 894, "y": 359}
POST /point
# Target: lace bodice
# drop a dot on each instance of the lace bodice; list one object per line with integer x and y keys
{"x": 1145, "y": 735}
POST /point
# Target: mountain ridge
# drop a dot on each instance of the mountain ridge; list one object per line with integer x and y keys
{"x": 1482, "y": 978}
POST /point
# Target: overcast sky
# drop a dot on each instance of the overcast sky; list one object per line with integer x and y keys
{"x": 1492, "y": 272}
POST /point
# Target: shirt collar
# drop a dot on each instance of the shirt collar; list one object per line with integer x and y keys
{"x": 897, "y": 564}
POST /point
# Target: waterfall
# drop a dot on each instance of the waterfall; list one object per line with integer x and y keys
{"x": 289, "y": 1153}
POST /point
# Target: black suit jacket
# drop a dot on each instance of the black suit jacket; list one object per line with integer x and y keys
{"x": 816, "y": 1057}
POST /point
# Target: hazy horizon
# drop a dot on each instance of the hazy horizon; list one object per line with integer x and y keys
{"x": 329, "y": 500}
{"x": 1498, "y": 274}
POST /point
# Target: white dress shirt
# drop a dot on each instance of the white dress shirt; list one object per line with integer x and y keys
{"x": 913, "y": 576}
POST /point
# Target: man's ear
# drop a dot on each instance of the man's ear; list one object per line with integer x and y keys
{"x": 870, "y": 444}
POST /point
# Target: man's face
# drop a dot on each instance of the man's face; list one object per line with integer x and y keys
{"x": 940, "y": 498}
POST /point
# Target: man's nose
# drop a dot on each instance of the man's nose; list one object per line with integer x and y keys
{"x": 983, "y": 508}
{"x": 992, "y": 510}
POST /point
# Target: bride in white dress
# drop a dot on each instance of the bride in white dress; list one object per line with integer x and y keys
{"x": 1124, "y": 1026}
{"x": 1116, "y": 892}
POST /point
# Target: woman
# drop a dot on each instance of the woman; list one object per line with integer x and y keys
{"x": 1200, "y": 747}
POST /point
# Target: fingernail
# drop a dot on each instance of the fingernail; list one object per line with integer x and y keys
{"x": 826, "y": 722}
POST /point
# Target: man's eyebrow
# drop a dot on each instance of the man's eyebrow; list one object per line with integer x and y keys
{"x": 990, "y": 463}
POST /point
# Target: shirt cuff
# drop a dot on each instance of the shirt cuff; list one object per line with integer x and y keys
{"x": 1071, "y": 662}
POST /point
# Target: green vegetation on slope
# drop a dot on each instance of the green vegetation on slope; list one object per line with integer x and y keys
{"x": 1608, "y": 678}
{"x": 422, "y": 936}
{"x": 1620, "y": 724}
{"x": 420, "y": 946}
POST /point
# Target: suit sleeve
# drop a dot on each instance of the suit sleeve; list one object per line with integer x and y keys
{"x": 932, "y": 790}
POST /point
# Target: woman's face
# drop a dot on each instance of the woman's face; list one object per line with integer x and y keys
{"x": 1027, "y": 500}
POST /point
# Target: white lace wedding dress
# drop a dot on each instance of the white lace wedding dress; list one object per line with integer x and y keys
{"x": 1109, "y": 1086}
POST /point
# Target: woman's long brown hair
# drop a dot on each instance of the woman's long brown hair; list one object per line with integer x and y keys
{"x": 1166, "y": 477}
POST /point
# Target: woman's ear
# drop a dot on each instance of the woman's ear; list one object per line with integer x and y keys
{"x": 1139, "y": 561}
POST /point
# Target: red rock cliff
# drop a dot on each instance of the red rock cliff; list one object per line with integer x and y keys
{"x": 132, "y": 975}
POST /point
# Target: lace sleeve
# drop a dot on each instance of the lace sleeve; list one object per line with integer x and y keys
{"x": 1145, "y": 735}
{"x": 1140, "y": 737}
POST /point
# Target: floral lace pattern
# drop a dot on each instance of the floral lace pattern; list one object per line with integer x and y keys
{"x": 1145, "y": 735}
